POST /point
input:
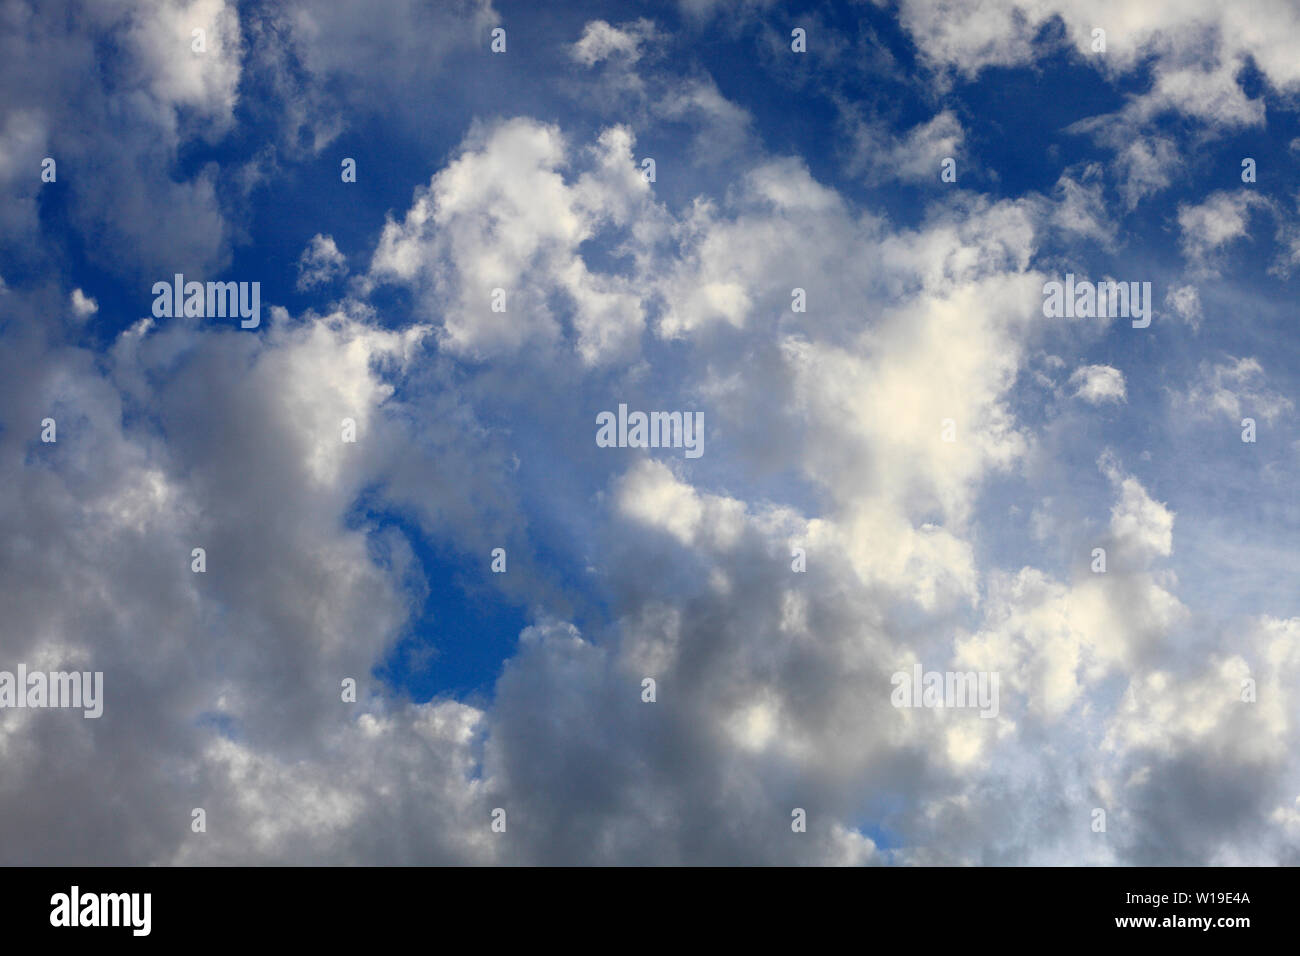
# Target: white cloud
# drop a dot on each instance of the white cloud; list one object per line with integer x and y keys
{"x": 915, "y": 156}
{"x": 502, "y": 216}
{"x": 1194, "y": 53}
{"x": 1236, "y": 388}
{"x": 824, "y": 432}
{"x": 601, "y": 41}
{"x": 162, "y": 38}
{"x": 1185, "y": 301}
{"x": 384, "y": 47}
{"x": 123, "y": 128}
{"x": 1082, "y": 207}
{"x": 1141, "y": 524}
{"x": 1201, "y": 33}
{"x": 1097, "y": 384}
{"x": 724, "y": 129}
{"x": 83, "y": 307}
{"x": 1209, "y": 226}
{"x": 321, "y": 263}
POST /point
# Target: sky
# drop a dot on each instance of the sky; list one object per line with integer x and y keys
{"x": 825, "y": 231}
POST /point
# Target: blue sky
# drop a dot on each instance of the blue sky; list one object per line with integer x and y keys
{"x": 775, "y": 170}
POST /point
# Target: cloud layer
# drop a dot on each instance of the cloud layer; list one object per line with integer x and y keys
{"x": 906, "y": 463}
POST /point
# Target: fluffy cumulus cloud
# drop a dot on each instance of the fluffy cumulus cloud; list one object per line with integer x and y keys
{"x": 906, "y": 466}
{"x": 1098, "y": 383}
{"x": 114, "y": 131}
{"x": 495, "y": 236}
